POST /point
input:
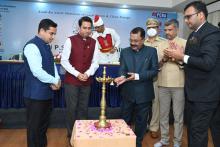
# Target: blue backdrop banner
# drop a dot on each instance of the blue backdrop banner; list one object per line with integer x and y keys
{"x": 19, "y": 22}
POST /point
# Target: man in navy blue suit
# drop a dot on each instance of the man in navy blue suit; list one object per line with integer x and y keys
{"x": 138, "y": 67}
{"x": 202, "y": 76}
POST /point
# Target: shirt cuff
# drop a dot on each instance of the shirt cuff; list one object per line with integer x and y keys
{"x": 76, "y": 73}
{"x": 185, "y": 59}
{"x": 136, "y": 76}
{"x": 123, "y": 76}
{"x": 88, "y": 73}
{"x": 55, "y": 81}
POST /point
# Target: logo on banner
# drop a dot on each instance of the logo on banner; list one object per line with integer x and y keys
{"x": 159, "y": 14}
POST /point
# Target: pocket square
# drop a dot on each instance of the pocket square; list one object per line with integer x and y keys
{"x": 194, "y": 39}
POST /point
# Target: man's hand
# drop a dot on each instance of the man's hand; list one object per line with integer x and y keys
{"x": 131, "y": 76}
{"x": 56, "y": 86}
{"x": 53, "y": 87}
{"x": 163, "y": 60}
{"x": 112, "y": 51}
{"x": 175, "y": 52}
{"x": 83, "y": 77}
{"x": 120, "y": 80}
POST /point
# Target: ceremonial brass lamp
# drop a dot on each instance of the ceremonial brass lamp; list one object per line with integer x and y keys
{"x": 102, "y": 123}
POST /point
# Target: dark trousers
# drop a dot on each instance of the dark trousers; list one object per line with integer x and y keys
{"x": 215, "y": 127}
{"x": 0, "y": 122}
{"x": 38, "y": 116}
{"x": 200, "y": 116}
{"x": 77, "y": 98}
{"x": 141, "y": 112}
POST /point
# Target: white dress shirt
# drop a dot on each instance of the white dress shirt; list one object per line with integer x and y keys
{"x": 186, "y": 57}
{"x": 71, "y": 69}
{"x": 34, "y": 60}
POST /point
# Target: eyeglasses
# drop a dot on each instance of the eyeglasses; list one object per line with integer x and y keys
{"x": 189, "y": 16}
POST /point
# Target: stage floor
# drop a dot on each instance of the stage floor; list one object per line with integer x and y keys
{"x": 57, "y": 138}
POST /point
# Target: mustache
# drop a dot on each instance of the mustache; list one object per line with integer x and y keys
{"x": 133, "y": 45}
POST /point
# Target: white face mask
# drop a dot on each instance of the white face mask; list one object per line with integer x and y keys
{"x": 151, "y": 32}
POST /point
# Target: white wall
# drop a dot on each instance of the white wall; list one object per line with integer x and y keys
{"x": 141, "y": 3}
{"x": 184, "y": 31}
{"x": 214, "y": 18}
{"x": 213, "y": 7}
{"x": 157, "y": 3}
{"x": 66, "y": 16}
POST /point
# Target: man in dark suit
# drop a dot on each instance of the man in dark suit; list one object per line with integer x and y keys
{"x": 202, "y": 76}
{"x": 138, "y": 67}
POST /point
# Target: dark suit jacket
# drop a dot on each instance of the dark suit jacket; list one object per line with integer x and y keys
{"x": 141, "y": 90}
{"x": 202, "y": 72}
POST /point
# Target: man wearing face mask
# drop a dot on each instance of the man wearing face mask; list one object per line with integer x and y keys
{"x": 155, "y": 41}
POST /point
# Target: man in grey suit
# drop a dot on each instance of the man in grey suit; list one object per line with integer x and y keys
{"x": 202, "y": 80}
{"x": 138, "y": 67}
